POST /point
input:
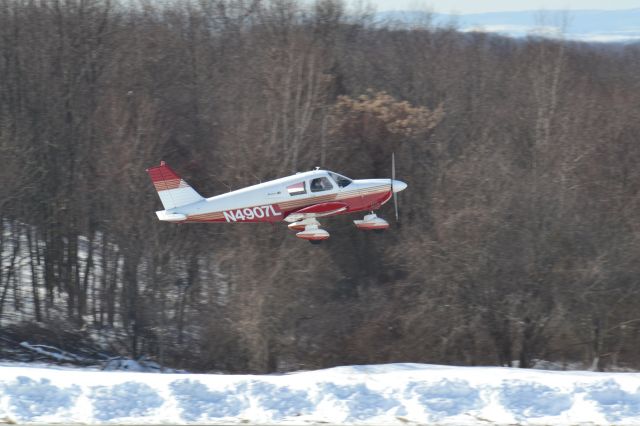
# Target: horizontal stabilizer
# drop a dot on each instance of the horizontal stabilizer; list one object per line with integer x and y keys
{"x": 170, "y": 217}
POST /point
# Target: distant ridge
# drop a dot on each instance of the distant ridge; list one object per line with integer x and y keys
{"x": 584, "y": 25}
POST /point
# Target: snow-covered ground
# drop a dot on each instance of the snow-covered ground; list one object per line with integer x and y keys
{"x": 580, "y": 25}
{"x": 382, "y": 394}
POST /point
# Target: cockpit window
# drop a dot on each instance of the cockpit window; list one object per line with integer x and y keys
{"x": 297, "y": 189}
{"x": 320, "y": 184}
{"x": 340, "y": 180}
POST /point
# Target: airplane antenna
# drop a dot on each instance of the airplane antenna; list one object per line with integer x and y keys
{"x": 257, "y": 178}
{"x": 222, "y": 182}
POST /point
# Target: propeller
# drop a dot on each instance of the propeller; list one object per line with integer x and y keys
{"x": 393, "y": 178}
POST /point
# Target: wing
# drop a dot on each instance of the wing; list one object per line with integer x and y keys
{"x": 316, "y": 210}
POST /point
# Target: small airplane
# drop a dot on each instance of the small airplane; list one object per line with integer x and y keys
{"x": 299, "y": 199}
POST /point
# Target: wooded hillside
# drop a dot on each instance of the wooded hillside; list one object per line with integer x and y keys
{"x": 520, "y": 228}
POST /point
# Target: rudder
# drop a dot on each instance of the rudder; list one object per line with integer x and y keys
{"x": 172, "y": 189}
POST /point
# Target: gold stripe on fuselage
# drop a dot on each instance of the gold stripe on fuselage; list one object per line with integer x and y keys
{"x": 293, "y": 204}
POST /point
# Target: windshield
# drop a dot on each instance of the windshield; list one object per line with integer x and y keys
{"x": 340, "y": 180}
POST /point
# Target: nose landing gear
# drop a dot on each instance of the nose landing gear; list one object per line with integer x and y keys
{"x": 372, "y": 222}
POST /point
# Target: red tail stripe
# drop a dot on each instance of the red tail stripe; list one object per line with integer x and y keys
{"x": 163, "y": 185}
{"x": 162, "y": 173}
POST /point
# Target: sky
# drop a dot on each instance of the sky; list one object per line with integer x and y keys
{"x": 481, "y": 6}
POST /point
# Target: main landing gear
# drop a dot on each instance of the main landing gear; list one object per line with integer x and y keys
{"x": 309, "y": 230}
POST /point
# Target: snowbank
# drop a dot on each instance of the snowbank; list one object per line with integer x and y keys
{"x": 364, "y": 395}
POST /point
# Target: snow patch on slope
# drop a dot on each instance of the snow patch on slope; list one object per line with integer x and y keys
{"x": 364, "y": 395}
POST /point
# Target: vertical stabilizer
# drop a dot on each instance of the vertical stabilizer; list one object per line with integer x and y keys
{"x": 173, "y": 190}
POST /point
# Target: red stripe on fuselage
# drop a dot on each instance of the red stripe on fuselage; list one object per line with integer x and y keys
{"x": 365, "y": 202}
